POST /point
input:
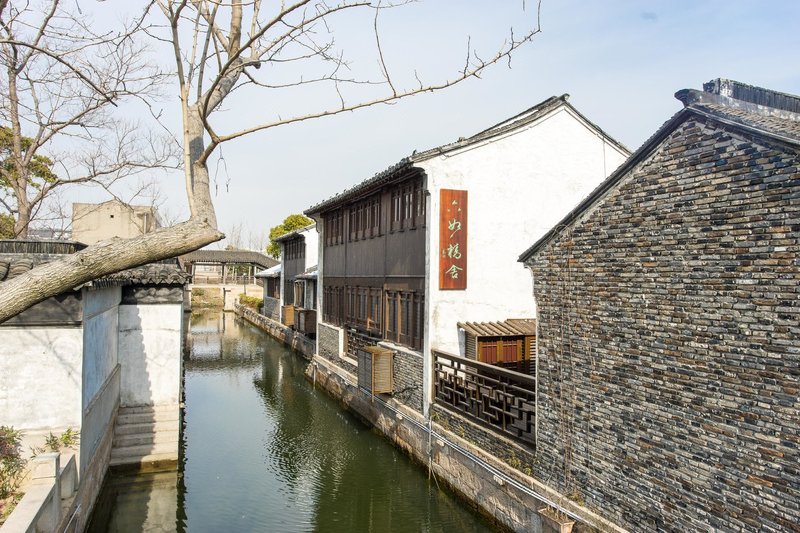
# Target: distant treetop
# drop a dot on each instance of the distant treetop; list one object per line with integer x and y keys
{"x": 290, "y": 223}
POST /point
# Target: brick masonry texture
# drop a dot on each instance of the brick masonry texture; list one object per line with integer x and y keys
{"x": 272, "y": 309}
{"x": 328, "y": 346}
{"x": 669, "y": 360}
{"x": 328, "y": 342}
{"x": 515, "y": 455}
{"x": 408, "y": 379}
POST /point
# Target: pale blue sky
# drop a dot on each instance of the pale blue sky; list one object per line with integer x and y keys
{"x": 621, "y": 62}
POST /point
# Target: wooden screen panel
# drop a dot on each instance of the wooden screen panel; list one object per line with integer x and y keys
{"x": 452, "y": 239}
{"x": 487, "y": 351}
{"x": 511, "y": 350}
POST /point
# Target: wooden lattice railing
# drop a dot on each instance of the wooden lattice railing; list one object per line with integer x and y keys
{"x": 493, "y": 396}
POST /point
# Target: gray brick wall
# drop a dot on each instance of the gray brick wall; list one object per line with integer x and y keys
{"x": 328, "y": 342}
{"x": 669, "y": 360}
{"x": 408, "y": 379}
{"x": 515, "y": 455}
{"x": 328, "y": 347}
{"x": 272, "y": 309}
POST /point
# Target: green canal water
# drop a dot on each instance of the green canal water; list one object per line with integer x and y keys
{"x": 262, "y": 450}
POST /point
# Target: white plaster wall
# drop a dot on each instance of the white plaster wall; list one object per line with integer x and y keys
{"x": 40, "y": 377}
{"x": 320, "y": 282}
{"x": 100, "y": 370}
{"x": 312, "y": 259}
{"x": 283, "y": 278}
{"x": 312, "y": 247}
{"x": 100, "y": 326}
{"x": 150, "y": 354}
{"x": 518, "y": 186}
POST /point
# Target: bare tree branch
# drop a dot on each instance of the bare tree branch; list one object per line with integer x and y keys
{"x": 67, "y": 64}
{"x": 384, "y": 68}
{"x": 229, "y": 44}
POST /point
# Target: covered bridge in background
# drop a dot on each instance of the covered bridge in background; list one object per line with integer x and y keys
{"x": 225, "y": 266}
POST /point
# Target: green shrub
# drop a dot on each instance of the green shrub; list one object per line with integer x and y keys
{"x": 52, "y": 442}
{"x": 68, "y": 439}
{"x": 251, "y": 301}
{"x": 12, "y": 465}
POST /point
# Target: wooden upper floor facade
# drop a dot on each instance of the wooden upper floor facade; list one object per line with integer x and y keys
{"x": 374, "y": 261}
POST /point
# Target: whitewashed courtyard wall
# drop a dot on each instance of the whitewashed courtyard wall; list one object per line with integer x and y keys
{"x": 150, "y": 353}
{"x": 40, "y": 377}
{"x": 101, "y": 374}
{"x": 312, "y": 247}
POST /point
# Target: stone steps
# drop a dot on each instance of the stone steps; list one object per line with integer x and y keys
{"x": 146, "y": 427}
{"x": 145, "y": 435}
{"x": 164, "y": 408}
{"x": 125, "y": 417}
{"x": 141, "y": 455}
{"x": 154, "y": 439}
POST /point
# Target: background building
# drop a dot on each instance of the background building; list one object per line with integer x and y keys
{"x": 298, "y": 274}
{"x": 433, "y": 240}
{"x": 92, "y": 223}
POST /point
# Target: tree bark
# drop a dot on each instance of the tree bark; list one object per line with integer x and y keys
{"x": 23, "y": 220}
{"x": 199, "y": 183}
{"x": 19, "y": 180}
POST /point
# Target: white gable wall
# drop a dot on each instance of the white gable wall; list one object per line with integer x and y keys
{"x": 518, "y": 186}
{"x": 312, "y": 246}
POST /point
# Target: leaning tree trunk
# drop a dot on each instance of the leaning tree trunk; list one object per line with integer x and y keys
{"x": 111, "y": 256}
{"x": 101, "y": 259}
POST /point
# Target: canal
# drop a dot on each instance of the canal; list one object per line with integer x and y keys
{"x": 263, "y": 450}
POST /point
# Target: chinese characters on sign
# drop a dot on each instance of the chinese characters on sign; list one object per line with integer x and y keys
{"x": 453, "y": 240}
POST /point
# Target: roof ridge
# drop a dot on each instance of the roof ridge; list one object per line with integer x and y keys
{"x": 694, "y": 98}
{"x": 509, "y": 124}
{"x": 564, "y": 97}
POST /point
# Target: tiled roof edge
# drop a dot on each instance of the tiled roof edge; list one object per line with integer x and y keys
{"x": 644, "y": 151}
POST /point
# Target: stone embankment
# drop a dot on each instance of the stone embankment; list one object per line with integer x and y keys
{"x": 514, "y": 500}
{"x": 286, "y": 335}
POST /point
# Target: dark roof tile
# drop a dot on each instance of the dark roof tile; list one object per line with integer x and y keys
{"x": 166, "y": 272}
{"x": 229, "y": 256}
{"x": 150, "y": 274}
{"x": 775, "y": 124}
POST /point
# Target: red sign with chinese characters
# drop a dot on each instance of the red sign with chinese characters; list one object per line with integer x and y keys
{"x": 452, "y": 240}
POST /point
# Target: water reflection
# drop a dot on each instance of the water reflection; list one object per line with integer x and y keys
{"x": 147, "y": 502}
{"x": 264, "y": 451}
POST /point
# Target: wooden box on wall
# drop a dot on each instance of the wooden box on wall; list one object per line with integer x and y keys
{"x": 305, "y": 321}
{"x": 375, "y": 370}
{"x": 288, "y": 315}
